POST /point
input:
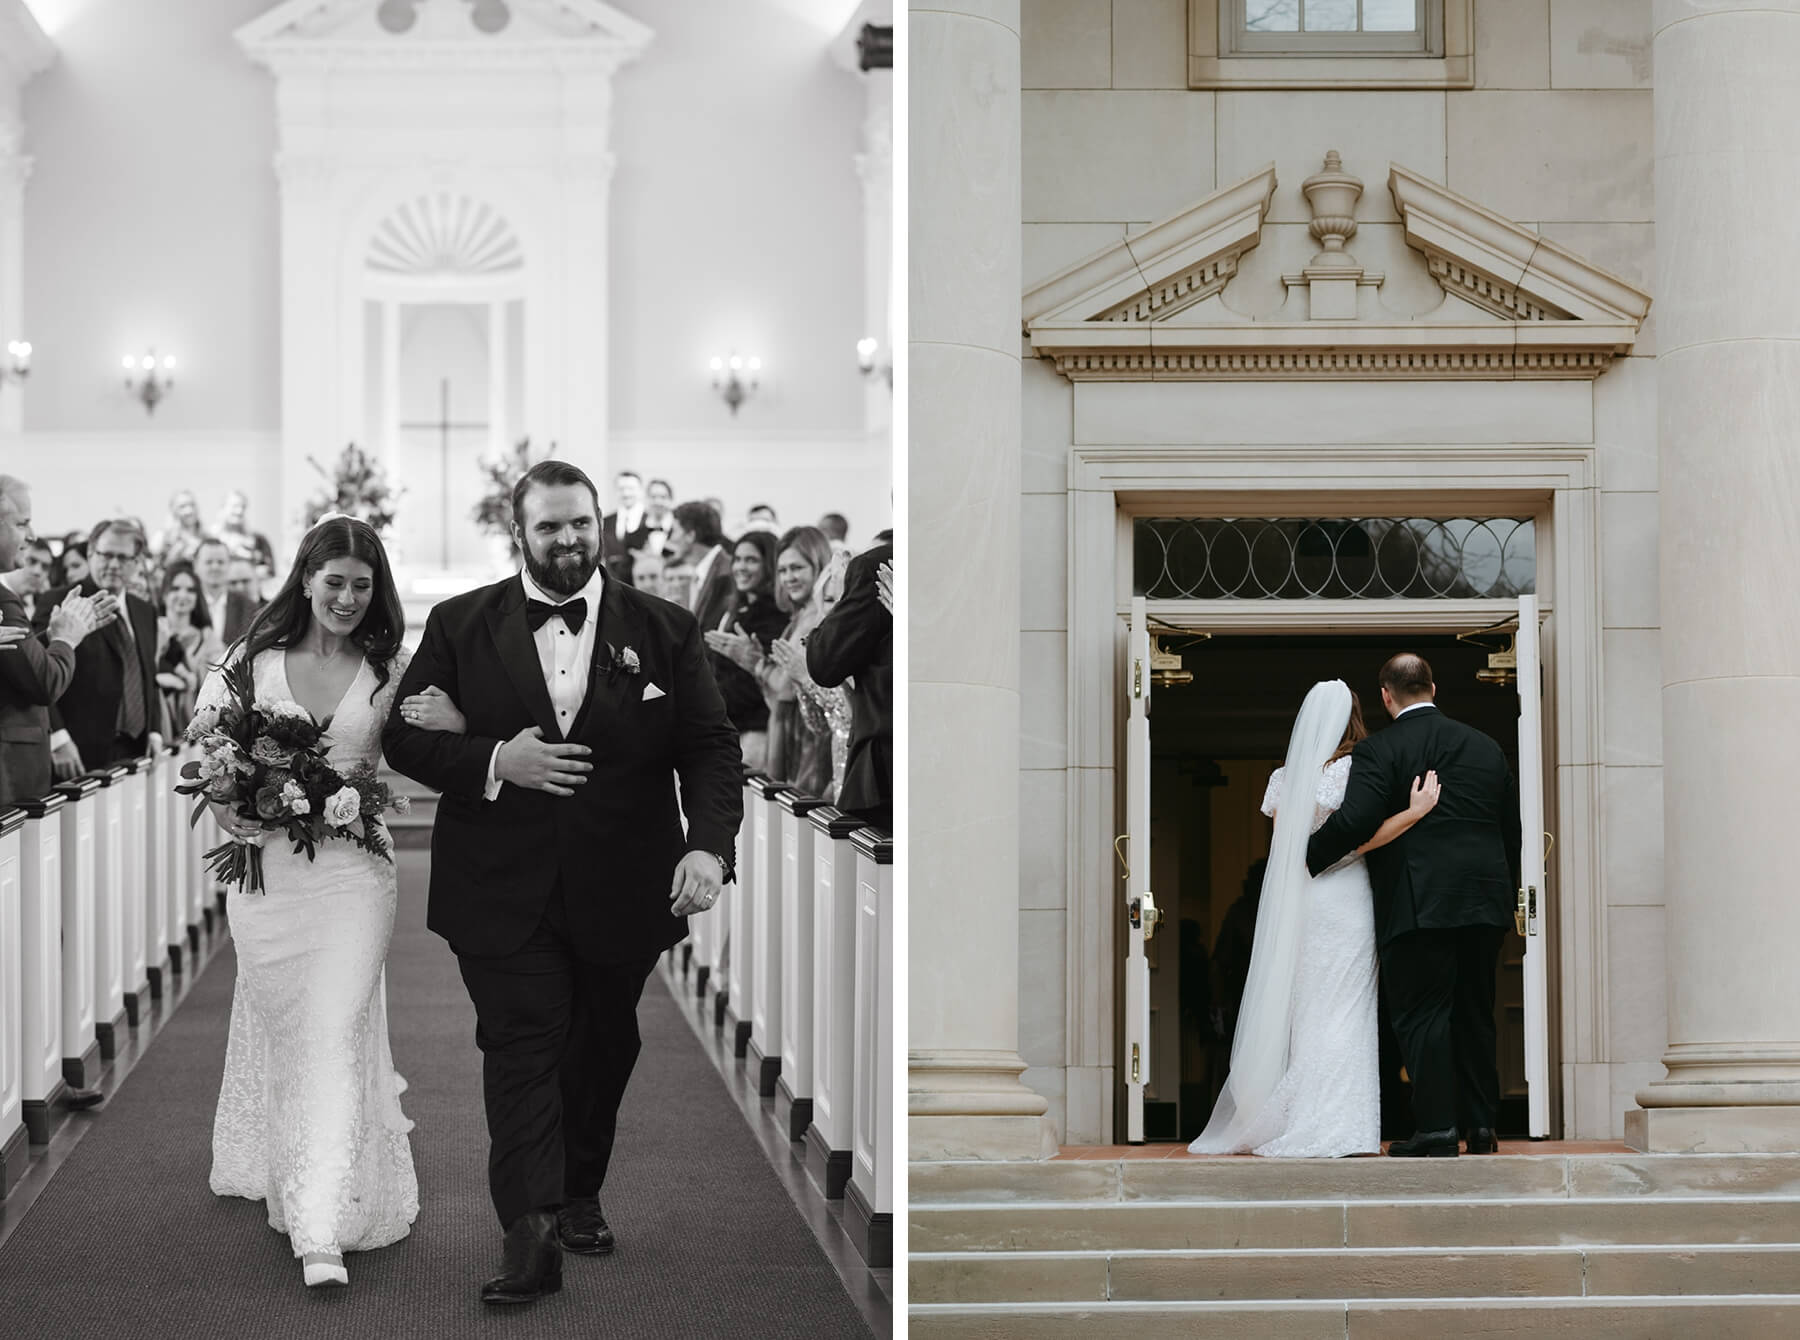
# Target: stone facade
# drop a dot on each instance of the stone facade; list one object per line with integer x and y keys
{"x": 1556, "y": 137}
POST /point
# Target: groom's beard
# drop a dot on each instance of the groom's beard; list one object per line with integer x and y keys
{"x": 565, "y": 571}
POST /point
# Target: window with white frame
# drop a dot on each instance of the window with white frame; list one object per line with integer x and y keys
{"x": 1331, "y": 28}
{"x": 1348, "y": 44}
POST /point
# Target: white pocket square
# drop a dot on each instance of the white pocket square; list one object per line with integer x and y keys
{"x": 652, "y": 693}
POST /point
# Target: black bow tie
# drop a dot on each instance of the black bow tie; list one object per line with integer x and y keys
{"x": 573, "y": 612}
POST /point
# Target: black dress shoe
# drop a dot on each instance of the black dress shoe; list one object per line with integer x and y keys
{"x": 583, "y": 1228}
{"x": 1427, "y": 1145}
{"x": 1482, "y": 1141}
{"x": 531, "y": 1262}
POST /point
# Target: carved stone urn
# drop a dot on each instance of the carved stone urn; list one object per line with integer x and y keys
{"x": 1332, "y": 196}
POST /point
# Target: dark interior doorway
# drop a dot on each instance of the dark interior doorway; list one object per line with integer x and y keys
{"x": 1214, "y": 743}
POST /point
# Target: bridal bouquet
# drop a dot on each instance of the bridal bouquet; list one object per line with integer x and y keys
{"x": 266, "y": 761}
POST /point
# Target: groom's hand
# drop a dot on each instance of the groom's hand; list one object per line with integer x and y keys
{"x": 698, "y": 880}
{"x": 528, "y": 760}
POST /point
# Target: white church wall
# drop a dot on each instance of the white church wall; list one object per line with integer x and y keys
{"x": 151, "y": 218}
{"x": 1557, "y": 135}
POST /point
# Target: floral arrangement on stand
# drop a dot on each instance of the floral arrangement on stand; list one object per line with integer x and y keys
{"x": 355, "y": 485}
{"x": 493, "y": 514}
{"x": 268, "y": 763}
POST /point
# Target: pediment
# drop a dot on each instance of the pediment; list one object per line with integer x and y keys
{"x": 1515, "y": 305}
{"x": 464, "y": 32}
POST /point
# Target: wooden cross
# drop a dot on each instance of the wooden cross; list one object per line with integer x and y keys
{"x": 445, "y": 426}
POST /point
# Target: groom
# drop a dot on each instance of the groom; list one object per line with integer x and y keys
{"x": 559, "y": 865}
{"x": 1443, "y": 900}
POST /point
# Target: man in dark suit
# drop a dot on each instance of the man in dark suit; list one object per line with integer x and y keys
{"x": 33, "y": 673}
{"x": 856, "y": 642}
{"x": 559, "y": 866}
{"x": 1443, "y": 899}
{"x": 111, "y": 709}
{"x": 625, "y": 531}
{"x": 230, "y": 611}
{"x": 697, "y": 542}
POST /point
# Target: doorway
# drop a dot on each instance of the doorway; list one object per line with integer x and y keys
{"x": 1213, "y": 745}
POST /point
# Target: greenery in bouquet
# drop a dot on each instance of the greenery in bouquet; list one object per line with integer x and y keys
{"x": 355, "y": 485}
{"x": 268, "y": 763}
{"x": 493, "y": 514}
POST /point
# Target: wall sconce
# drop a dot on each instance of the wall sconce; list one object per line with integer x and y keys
{"x": 18, "y": 362}
{"x": 734, "y": 378}
{"x": 149, "y": 378}
{"x": 866, "y": 349}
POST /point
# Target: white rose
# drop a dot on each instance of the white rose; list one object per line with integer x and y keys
{"x": 342, "y": 807}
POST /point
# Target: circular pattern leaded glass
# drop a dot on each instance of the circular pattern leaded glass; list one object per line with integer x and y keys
{"x": 1367, "y": 558}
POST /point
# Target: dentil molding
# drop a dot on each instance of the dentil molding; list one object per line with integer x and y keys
{"x": 1515, "y": 305}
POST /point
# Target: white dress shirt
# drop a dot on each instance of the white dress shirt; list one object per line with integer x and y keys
{"x": 216, "y": 609}
{"x": 701, "y": 573}
{"x": 564, "y": 657}
{"x": 1413, "y": 707}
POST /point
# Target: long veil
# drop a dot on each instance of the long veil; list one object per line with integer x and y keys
{"x": 1259, "y": 1049}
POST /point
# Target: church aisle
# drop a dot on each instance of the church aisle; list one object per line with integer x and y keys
{"x": 127, "y": 1241}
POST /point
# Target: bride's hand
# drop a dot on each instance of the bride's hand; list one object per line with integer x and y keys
{"x": 234, "y": 823}
{"x": 432, "y": 709}
{"x": 1424, "y": 796}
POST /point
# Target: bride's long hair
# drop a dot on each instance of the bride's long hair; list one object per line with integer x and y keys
{"x": 1353, "y": 732}
{"x": 284, "y": 620}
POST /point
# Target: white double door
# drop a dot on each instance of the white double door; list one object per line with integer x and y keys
{"x": 1142, "y": 915}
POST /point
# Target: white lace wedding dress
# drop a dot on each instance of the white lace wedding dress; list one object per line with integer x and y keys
{"x": 309, "y": 1112}
{"x": 1328, "y": 1101}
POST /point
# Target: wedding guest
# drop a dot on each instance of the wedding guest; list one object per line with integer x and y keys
{"x": 854, "y": 645}
{"x": 239, "y": 539}
{"x": 761, "y": 516}
{"x": 33, "y": 673}
{"x": 188, "y": 644}
{"x": 659, "y": 503}
{"x": 624, "y": 530}
{"x": 71, "y": 565}
{"x": 112, "y": 707}
{"x": 227, "y": 611}
{"x": 799, "y": 751}
{"x": 752, "y": 618}
{"x": 837, "y": 530}
{"x": 247, "y": 581}
{"x": 698, "y": 545}
{"x": 181, "y": 538}
{"x": 31, "y": 578}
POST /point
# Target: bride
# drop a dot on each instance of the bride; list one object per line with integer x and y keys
{"x": 309, "y": 1112}
{"x": 1305, "y": 1080}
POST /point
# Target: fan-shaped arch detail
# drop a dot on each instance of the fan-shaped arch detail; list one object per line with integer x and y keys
{"x": 445, "y": 234}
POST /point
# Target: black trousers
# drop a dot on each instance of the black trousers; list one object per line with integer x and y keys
{"x": 1440, "y": 991}
{"x": 558, "y": 1038}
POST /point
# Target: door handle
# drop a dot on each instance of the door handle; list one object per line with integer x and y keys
{"x": 1151, "y": 915}
{"x": 1519, "y": 913}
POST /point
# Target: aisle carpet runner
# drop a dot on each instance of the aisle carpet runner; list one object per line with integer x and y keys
{"x": 126, "y": 1241}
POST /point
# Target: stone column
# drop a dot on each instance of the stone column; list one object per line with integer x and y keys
{"x": 1728, "y": 428}
{"x": 965, "y": 1098}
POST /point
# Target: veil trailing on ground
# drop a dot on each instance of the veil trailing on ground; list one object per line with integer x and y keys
{"x": 1259, "y": 1049}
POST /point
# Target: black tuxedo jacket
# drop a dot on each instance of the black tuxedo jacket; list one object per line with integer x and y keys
{"x": 616, "y": 549}
{"x": 856, "y": 640}
{"x": 239, "y": 610}
{"x": 615, "y": 843}
{"x": 1459, "y": 865}
{"x": 89, "y": 707}
{"x": 719, "y": 594}
{"x": 32, "y": 676}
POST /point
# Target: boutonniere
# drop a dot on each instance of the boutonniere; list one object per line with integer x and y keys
{"x": 621, "y": 659}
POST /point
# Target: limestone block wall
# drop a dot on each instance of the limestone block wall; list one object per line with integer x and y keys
{"x": 1556, "y": 135}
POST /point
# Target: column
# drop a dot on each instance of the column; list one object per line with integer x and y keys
{"x": 1728, "y": 390}
{"x": 965, "y": 1098}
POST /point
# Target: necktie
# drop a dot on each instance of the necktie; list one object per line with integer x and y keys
{"x": 131, "y": 701}
{"x": 572, "y": 612}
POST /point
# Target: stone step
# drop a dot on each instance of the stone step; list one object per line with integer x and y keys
{"x": 1149, "y": 1225}
{"x": 1189, "y": 1179}
{"x": 1740, "y": 1318}
{"x": 1337, "y": 1273}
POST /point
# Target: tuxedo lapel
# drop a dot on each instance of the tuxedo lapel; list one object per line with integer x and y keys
{"x": 619, "y": 627}
{"x": 518, "y": 653}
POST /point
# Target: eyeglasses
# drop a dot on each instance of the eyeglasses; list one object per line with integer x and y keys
{"x": 110, "y": 556}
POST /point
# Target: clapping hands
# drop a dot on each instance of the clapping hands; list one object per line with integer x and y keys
{"x": 884, "y": 586}
{"x": 739, "y": 648}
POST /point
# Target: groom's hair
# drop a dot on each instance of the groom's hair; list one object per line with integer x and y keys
{"x": 551, "y": 474}
{"x": 1407, "y": 677}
